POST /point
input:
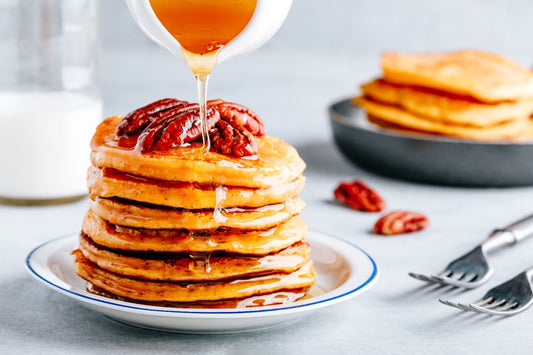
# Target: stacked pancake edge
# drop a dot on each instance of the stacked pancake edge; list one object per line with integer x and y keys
{"x": 183, "y": 228}
{"x": 467, "y": 94}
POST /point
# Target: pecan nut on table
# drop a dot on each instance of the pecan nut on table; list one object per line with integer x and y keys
{"x": 399, "y": 222}
{"x": 359, "y": 196}
{"x": 166, "y": 123}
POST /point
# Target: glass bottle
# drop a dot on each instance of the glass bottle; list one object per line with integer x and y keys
{"x": 49, "y": 98}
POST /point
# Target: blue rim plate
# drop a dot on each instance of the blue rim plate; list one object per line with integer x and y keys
{"x": 343, "y": 271}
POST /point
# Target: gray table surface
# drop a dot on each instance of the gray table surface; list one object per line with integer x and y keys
{"x": 291, "y": 91}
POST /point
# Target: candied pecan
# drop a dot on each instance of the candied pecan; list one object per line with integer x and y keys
{"x": 232, "y": 140}
{"x": 398, "y": 222}
{"x": 182, "y": 126}
{"x": 358, "y": 196}
{"x": 137, "y": 120}
{"x": 239, "y": 116}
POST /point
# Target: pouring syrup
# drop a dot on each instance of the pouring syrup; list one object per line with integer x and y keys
{"x": 207, "y": 32}
{"x": 203, "y": 28}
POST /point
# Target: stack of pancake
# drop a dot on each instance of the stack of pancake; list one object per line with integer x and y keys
{"x": 467, "y": 94}
{"x": 194, "y": 229}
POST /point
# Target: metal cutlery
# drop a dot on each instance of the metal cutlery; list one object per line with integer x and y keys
{"x": 472, "y": 269}
{"x": 507, "y": 299}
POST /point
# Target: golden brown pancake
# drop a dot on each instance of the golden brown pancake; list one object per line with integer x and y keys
{"x": 448, "y": 108}
{"x": 253, "y": 242}
{"x": 485, "y": 76}
{"x": 113, "y": 183}
{"x": 193, "y": 267}
{"x": 131, "y": 214}
{"x": 276, "y": 163}
{"x": 271, "y": 299}
{"x": 398, "y": 116}
{"x": 192, "y": 292}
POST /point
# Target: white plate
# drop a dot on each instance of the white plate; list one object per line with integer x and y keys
{"x": 343, "y": 271}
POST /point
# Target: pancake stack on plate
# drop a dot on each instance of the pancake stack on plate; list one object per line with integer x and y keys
{"x": 185, "y": 228}
{"x": 467, "y": 94}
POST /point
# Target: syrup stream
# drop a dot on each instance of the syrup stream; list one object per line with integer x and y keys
{"x": 201, "y": 83}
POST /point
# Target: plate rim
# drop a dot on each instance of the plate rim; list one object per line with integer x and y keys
{"x": 422, "y": 136}
{"x": 140, "y": 309}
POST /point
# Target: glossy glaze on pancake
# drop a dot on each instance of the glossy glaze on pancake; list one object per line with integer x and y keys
{"x": 444, "y": 107}
{"x": 400, "y": 117}
{"x": 132, "y": 214}
{"x": 112, "y": 183}
{"x": 485, "y": 76}
{"x": 276, "y": 163}
{"x": 138, "y": 289}
{"x": 248, "y": 242}
{"x": 194, "y": 267}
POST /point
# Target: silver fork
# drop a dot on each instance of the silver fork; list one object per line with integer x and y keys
{"x": 507, "y": 299}
{"x": 472, "y": 269}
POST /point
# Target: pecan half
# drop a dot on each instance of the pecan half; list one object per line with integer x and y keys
{"x": 239, "y": 116}
{"x": 135, "y": 121}
{"x": 399, "y": 222}
{"x": 358, "y": 196}
{"x": 232, "y": 140}
{"x": 183, "y": 125}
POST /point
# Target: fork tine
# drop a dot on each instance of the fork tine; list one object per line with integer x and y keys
{"x": 484, "y": 301}
{"x": 457, "y": 305}
{"x": 447, "y": 273}
{"x": 454, "y": 282}
{"x": 496, "y": 304}
{"x": 420, "y": 277}
{"x": 438, "y": 279}
{"x": 470, "y": 277}
{"x": 497, "y": 312}
{"x": 509, "y": 307}
{"x": 458, "y": 276}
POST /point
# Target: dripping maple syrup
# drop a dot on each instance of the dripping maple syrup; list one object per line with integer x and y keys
{"x": 203, "y": 28}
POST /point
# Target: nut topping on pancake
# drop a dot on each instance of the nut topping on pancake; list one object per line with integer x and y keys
{"x": 231, "y": 140}
{"x": 182, "y": 126}
{"x": 137, "y": 120}
{"x": 239, "y": 116}
{"x": 167, "y": 123}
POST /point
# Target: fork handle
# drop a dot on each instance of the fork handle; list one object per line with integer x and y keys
{"x": 510, "y": 235}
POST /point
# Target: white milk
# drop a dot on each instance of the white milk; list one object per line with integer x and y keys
{"x": 44, "y": 144}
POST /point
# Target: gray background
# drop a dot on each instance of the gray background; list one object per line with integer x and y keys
{"x": 324, "y": 50}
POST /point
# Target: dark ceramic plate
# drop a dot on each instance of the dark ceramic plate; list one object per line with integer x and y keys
{"x": 429, "y": 158}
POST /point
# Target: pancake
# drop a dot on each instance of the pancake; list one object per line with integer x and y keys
{"x": 276, "y": 163}
{"x": 460, "y": 110}
{"x": 397, "y": 116}
{"x": 138, "y": 289}
{"x": 271, "y": 299}
{"x": 112, "y": 183}
{"x": 484, "y": 76}
{"x": 254, "y": 242}
{"x": 195, "y": 267}
{"x": 131, "y": 214}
